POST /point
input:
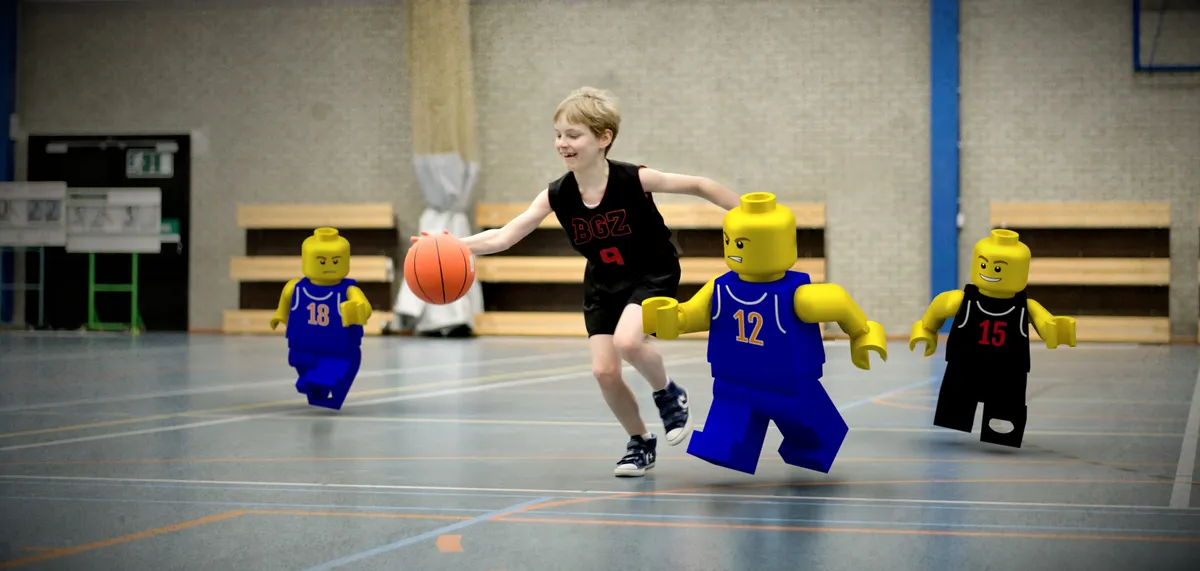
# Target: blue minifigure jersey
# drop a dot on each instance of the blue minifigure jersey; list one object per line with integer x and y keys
{"x": 755, "y": 338}
{"x": 315, "y": 320}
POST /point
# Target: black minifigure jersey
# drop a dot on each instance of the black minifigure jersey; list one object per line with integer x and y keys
{"x": 991, "y": 333}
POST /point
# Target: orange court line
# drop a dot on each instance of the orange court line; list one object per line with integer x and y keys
{"x": 449, "y": 543}
{"x": 63, "y": 552}
{"x": 55, "y": 553}
{"x": 864, "y": 530}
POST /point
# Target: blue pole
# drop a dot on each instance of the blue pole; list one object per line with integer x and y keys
{"x": 943, "y": 148}
{"x": 8, "y": 99}
{"x": 1137, "y": 35}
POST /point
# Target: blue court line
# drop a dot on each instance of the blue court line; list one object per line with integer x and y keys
{"x": 422, "y": 537}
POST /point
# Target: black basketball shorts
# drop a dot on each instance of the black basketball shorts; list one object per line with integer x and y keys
{"x": 602, "y": 307}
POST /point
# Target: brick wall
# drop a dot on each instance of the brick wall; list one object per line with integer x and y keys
{"x": 1052, "y": 110}
{"x": 815, "y": 100}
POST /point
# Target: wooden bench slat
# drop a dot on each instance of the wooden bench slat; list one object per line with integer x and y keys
{"x": 284, "y": 268}
{"x": 259, "y": 321}
{"x": 292, "y": 216}
{"x": 1100, "y": 271}
{"x": 677, "y": 216}
{"x": 1117, "y": 329}
{"x": 569, "y": 269}
{"x": 1081, "y": 214}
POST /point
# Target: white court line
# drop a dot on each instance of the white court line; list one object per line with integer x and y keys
{"x": 276, "y": 382}
{"x": 1181, "y": 492}
{"x": 697, "y": 426}
{"x": 413, "y": 396}
{"x": 617, "y": 494}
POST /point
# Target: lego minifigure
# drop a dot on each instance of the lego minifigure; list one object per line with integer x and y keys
{"x": 987, "y": 351}
{"x": 324, "y": 313}
{"x": 764, "y": 344}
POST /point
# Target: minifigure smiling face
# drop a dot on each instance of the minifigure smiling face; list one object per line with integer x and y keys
{"x": 325, "y": 256}
{"x": 759, "y": 237}
{"x": 1000, "y": 264}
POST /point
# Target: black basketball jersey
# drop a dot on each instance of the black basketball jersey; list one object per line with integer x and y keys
{"x": 992, "y": 333}
{"x": 624, "y": 236}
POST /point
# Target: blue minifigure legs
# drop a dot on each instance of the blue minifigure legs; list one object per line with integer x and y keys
{"x": 326, "y": 379}
{"x": 733, "y": 435}
{"x": 736, "y": 427}
{"x": 813, "y": 430}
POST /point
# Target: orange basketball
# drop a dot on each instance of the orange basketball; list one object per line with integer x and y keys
{"x": 439, "y": 268}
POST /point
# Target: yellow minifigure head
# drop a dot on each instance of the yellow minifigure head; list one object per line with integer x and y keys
{"x": 760, "y": 238}
{"x": 325, "y": 257}
{"x": 1000, "y": 264}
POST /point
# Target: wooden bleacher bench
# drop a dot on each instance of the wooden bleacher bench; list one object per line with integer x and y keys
{"x": 535, "y": 288}
{"x": 1100, "y": 271}
{"x": 274, "y": 234}
{"x": 1105, "y": 263}
{"x": 284, "y": 268}
{"x": 310, "y": 216}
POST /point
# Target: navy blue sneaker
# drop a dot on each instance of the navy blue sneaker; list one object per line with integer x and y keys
{"x": 673, "y": 408}
{"x": 639, "y": 457}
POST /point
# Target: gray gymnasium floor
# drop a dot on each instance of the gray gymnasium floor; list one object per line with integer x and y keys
{"x": 175, "y": 452}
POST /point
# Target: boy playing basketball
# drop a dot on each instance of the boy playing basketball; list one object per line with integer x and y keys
{"x": 608, "y": 212}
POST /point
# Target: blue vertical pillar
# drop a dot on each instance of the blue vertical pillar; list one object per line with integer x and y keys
{"x": 8, "y": 105}
{"x": 943, "y": 147}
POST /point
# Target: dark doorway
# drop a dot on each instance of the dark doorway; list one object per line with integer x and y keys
{"x": 101, "y": 162}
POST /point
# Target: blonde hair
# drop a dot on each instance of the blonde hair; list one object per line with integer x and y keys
{"x": 594, "y": 108}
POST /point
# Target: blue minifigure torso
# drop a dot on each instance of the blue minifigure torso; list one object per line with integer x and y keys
{"x": 315, "y": 320}
{"x": 755, "y": 338}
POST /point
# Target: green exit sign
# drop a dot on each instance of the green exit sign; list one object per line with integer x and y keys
{"x": 149, "y": 163}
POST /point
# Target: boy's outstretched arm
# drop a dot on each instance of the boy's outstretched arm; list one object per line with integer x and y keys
{"x": 503, "y": 238}
{"x": 706, "y": 188}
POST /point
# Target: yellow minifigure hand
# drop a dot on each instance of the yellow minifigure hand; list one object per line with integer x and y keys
{"x": 661, "y": 317}
{"x": 875, "y": 339}
{"x": 354, "y": 313}
{"x": 1059, "y": 331}
{"x": 277, "y": 319}
{"x": 920, "y": 333}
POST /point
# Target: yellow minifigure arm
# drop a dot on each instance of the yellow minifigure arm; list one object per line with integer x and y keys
{"x": 285, "y": 304}
{"x": 821, "y": 303}
{"x": 1054, "y": 330}
{"x": 356, "y": 310}
{"x": 668, "y": 319}
{"x": 943, "y": 307}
